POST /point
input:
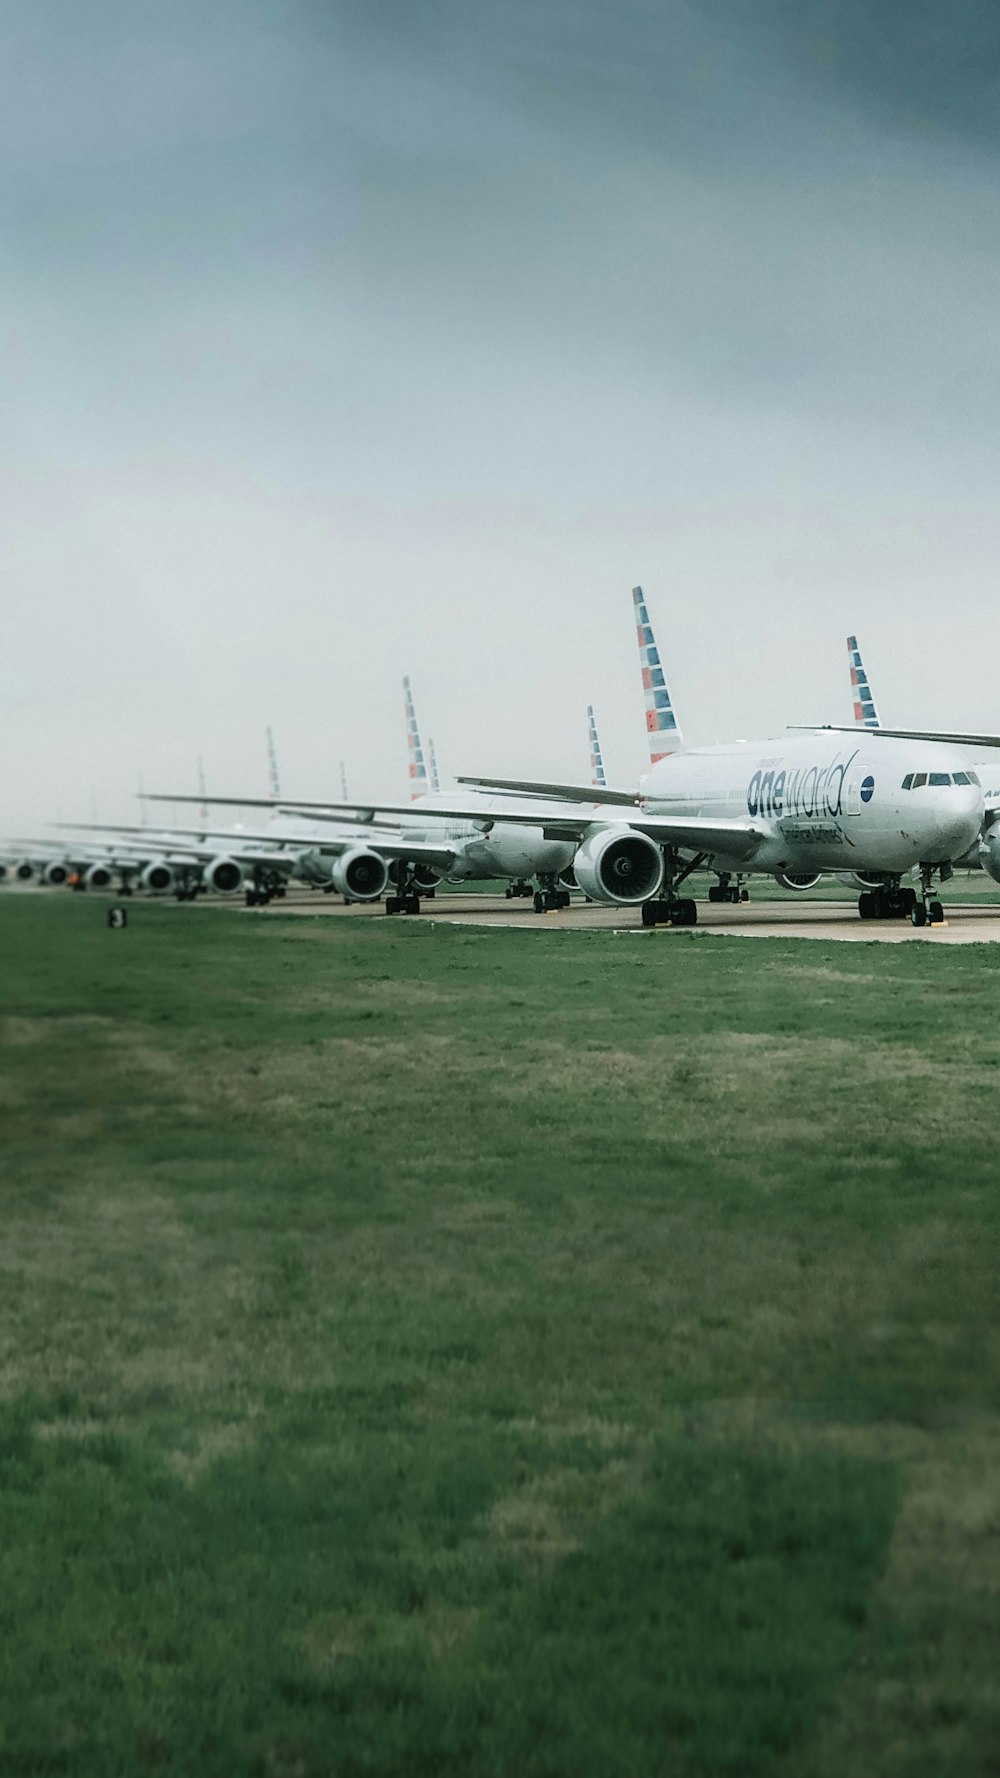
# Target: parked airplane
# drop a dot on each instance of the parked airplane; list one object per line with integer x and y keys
{"x": 983, "y": 762}
{"x": 429, "y": 844}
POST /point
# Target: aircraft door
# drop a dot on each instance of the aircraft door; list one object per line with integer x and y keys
{"x": 852, "y": 801}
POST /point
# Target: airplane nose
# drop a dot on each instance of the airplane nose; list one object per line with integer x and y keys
{"x": 959, "y": 820}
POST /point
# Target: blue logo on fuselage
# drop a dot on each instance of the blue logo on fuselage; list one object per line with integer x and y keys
{"x": 806, "y": 791}
{"x": 867, "y": 789}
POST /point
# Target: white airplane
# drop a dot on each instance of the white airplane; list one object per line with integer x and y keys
{"x": 983, "y": 762}
{"x": 426, "y": 843}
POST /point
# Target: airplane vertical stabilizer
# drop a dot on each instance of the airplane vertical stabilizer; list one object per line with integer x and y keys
{"x": 865, "y": 712}
{"x": 420, "y": 782}
{"x": 597, "y": 773}
{"x": 432, "y": 761}
{"x": 662, "y": 731}
{"x": 274, "y": 782}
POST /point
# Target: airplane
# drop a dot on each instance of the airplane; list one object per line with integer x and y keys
{"x": 428, "y": 844}
{"x": 984, "y": 761}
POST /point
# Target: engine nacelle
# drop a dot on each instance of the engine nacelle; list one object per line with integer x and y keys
{"x": 157, "y": 879}
{"x": 859, "y": 879}
{"x": 620, "y": 866}
{"x": 567, "y": 878}
{"x": 359, "y": 874}
{"x": 24, "y": 870}
{"x": 989, "y": 852}
{"x": 97, "y": 876}
{"x": 223, "y": 876}
{"x": 55, "y": 874}
{"x": 796, "y": 880}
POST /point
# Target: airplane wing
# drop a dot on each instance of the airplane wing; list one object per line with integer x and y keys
{"x": 901, "y": 734}
{"x": 574, "y": 793}
{"x": 734, "y": 839}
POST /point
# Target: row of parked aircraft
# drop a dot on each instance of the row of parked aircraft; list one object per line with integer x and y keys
{"x": 866, "y": 804}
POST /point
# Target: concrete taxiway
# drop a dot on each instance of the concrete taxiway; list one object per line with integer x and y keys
{"x": 966, "y": 923}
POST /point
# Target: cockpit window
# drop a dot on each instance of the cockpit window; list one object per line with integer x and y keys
{"x": 962, "y": 778}
{"x": 919, "y": 780}
{"x": 908, "y": 781}
{"x": 939, "y": 778}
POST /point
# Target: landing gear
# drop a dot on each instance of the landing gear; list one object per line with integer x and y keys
{"x": 927, "y": 911}
{"x": 669, "y": 909}
{"x": 726, "y": 890}
{"x": 515, "y": 891}
{"x": 670, "y": 913}
{"x": 408, "y": 900}
{"x": 892, "y": 903}
{"x": 550, "y": 899}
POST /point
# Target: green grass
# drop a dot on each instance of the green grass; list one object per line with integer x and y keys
{"x": 466, "y": 1352}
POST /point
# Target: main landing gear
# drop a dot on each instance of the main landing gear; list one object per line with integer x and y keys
{"x": 406, "y": 899}
{"x": 670, "y": 909}
{"x": 266, "y": 886}
{"x": 726, "y": 890}
{"x": 896, "y": 902}
{"x": 887, "y": 904}
{"x": 516, "y": 891}
{"x": 549, "y": 898}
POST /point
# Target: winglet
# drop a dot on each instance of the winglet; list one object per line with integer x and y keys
{"x": 598, "y": 777}
{"x": 662, "y": 731}
{"x": 865, "y": 713}
{"x": 416, "y": 761}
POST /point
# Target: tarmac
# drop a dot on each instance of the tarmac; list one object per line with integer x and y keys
{"x": 967, "y": 923}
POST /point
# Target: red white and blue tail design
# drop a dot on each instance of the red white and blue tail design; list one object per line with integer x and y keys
{"x": 416, "y": 762}
{"x": 597, "y": 776}
{"x": 662, "y": 731}
{"x": 865, "y": 712}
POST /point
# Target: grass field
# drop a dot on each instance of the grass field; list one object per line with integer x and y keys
{"x": 460, "y": 1352}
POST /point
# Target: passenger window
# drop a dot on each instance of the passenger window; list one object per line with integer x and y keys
{"x": 919, "y": 780}
{"x": 961, "y": 778}
{"x": 908, "y": 781}
{"x": 939, "y": 778}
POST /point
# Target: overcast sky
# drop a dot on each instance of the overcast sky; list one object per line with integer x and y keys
{"x": 348, "y": 338}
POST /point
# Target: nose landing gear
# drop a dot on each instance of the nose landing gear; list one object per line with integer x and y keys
{"x": 926, "y": 911}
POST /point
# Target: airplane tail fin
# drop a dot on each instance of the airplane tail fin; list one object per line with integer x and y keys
{"x": 432, "y": 761}
{"x": 420, "y": 782}
{"x": 274, "y": 782}
{"x": 662, "y": 730}
{"x": 343, "y": 781}
{"x": 865, "y": 713}
{"x": 597, "y": 773}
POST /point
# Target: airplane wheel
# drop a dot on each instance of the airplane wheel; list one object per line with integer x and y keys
{"x": 690, "y": 913}
{"x": 392, "y": 904}
{"x": 650, "y": 913}
{"x": 936, "y": 913}
{"x": 538, "y": 902}
{"x": 865, "y": 909}
{"x": 715, "y": 893}
{"x": 918, "y": 914}
{"x": 251, "y": 898}
{"x": 564, "y": 898}
{"x": 412, "y": 904}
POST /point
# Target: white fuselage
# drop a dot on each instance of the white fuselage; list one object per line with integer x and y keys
{"x": 505, "y": 850}
{"x": 824, "y": 802}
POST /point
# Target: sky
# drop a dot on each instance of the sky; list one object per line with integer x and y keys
{"x": 343, "y": 339}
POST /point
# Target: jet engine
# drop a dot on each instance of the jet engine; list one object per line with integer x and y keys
{"x": 359, "y": 874}
{"x": 989, "y": 851}
{"x": 797, "y": 880}
{"x": 567, "y": 878}
{"x": 156, "y": 879}
{"x": 859, "y": 879}
{"x": 620, "y": 866}
{"x": 55, "y": 874}
{"x": 97, "y": 876}
{"x": 223, "y": 876}
{"x": 24, "y": 871}
{"x": 3, "y": 871}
